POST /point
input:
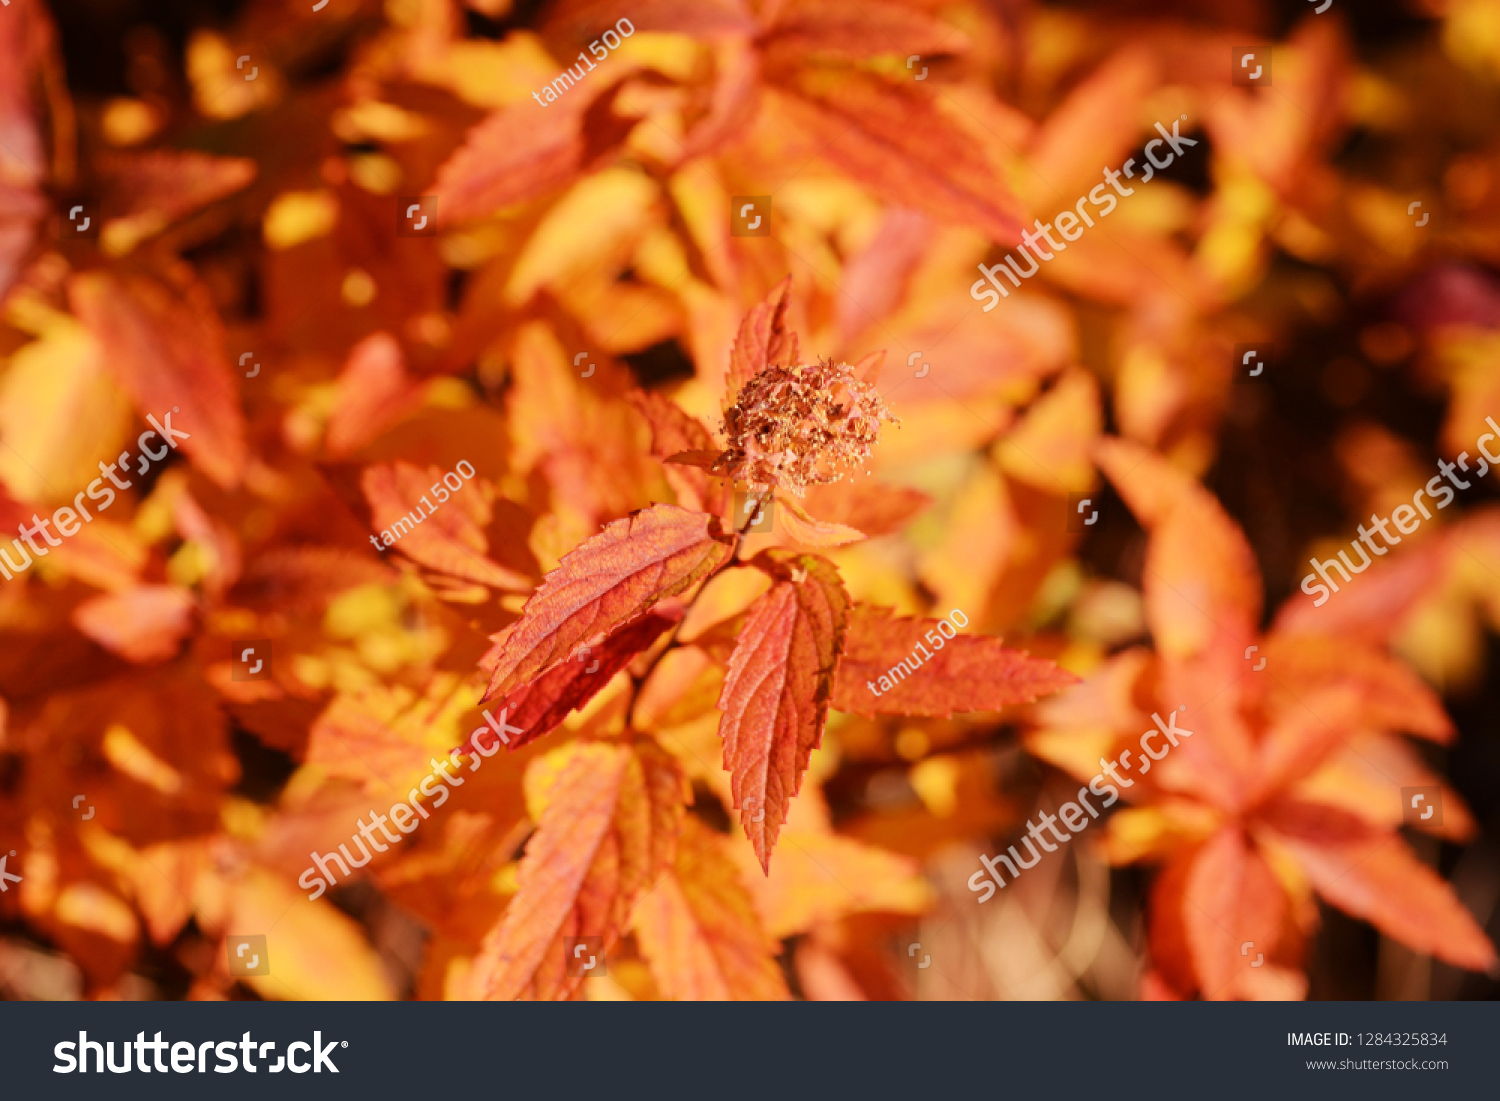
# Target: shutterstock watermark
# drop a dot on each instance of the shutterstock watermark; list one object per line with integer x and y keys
{"x": 1070, "y": 225}
{"x": 405, "y": 816}
{"x": 66, "y": 517}
{"x": 1071, "y": 814}
{"x": 1403, "y": 516}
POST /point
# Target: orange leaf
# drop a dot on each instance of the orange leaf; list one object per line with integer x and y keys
{"x": 868, "y": 506}
{"x": 167, "y": 348}
{"x": 776, "y": 692}
{"x": 897, "y": 141}
{"x": 149, "y": 191}
{"x": 860, "y": 28}
{"x": 523, "y": 151}
{"x": 608, "y": 580}
{"x": 1301, "y": 739}
{"x": 1231, "y": 899}
{"x": 1202, "y": 585}
{"x": 374, "y": 393}
{"x": 800, "y": 527}
{"x": 586, "y": 19}
{"x": 446, "y": 536}
{"x": 143, "y": 624}
{"x": 700, "y": 933}
{"x": 1392, "y": 697}
{"x": 1371, "y": 874}
{"x": 676, "y": 433}
{"x": 607, "y": 818}
{"x": 966, "y": 673}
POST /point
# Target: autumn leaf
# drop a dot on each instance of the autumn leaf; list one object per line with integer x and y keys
{"x": 607, "y": 818}
{"x": 860, "y": 28}
{"x": 1231, "y": 898}
{"x": 776, "y": 694}
{"x": 374, "y": 393}
{"x": 444, "y": 536}
{"x": 938, "y": 676}
{"x": 540, "y": 705}
{"x": 866, "y": 505}
{"x": 898, "y": 141}
{"x": 145, "y": 623}
{"x": 518, "y": 153}
{"x": 763, "y": 339}
{"x": 150, "y": 191}
{"x": 699, "y": 931}
{"x": 1372, "y": 874}
{"x": 675, "y": 433}
{"x": 801, "y": 527}
{"x": 167, "y": 348}
{"x": 605, "y": 581}
{"x": 26, "y": 39}
{"x": 821, "y": 877}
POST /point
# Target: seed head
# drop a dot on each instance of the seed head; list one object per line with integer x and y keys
{"x": 792, "y": 427}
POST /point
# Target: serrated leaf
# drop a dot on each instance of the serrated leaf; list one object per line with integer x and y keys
{"x": 608, "y": 580}
{"x": 777, "y": 690}
{"x": 969, "y": 673}
{"x": 540, "y": 705}
{"x": 676, "y": 433}
{"x": 607, "y": 819}
{"x": 698, "y": 929}
{"x": 763, "y": 339}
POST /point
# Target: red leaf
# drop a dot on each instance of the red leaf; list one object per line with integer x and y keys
{"x": 26, "y": 37}
{"x": 167, "y": 348}
{"x": 607, "y": 819}
{"x": 1371, "y": 874}
{"x": 763, "y": 340}
{"x": 608, "y": 580}
{"x": 149, "y": 191}
{"x": 777, "y": 689}
{"x": 969, "y": 673}
{"x": 537, "y": 707}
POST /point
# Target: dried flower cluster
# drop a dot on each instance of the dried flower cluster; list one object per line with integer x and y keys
{"x": 792, "y": 427}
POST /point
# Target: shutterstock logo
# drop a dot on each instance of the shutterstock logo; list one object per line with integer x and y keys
{"x": 190, "y": 1058}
